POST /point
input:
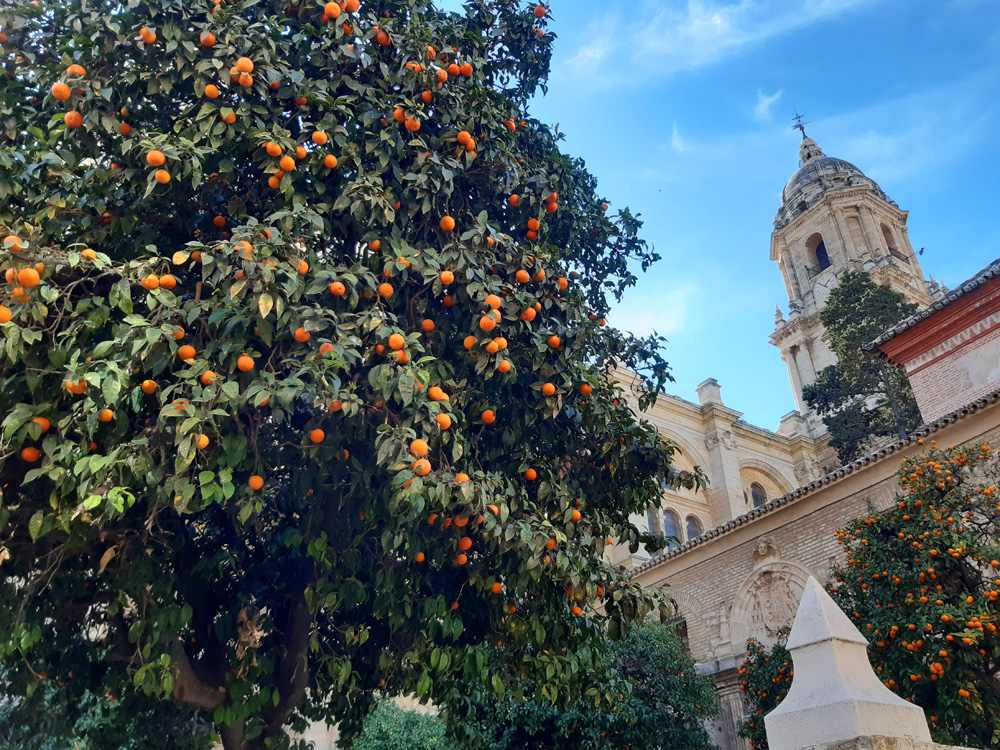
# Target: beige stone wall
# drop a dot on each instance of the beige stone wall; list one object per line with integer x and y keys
{"x": 745, "y": 579}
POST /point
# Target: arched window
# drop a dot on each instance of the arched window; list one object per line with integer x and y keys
{"x": 818, "y": 255}
{"x": 693, "y": 528}
{"x": 672, "y": 528}
{"x": 758, "y": 494}
{"x": 887, "y": 236}
{"x": 653, "y": 520}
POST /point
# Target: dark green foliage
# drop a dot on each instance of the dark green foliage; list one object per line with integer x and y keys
{"x": 390, "y": 727}
{"x": 863, "y": 400}
{"x": 766, "y": 675}
{"x": 135, "y": 552}
{"x": 662, "y": 703}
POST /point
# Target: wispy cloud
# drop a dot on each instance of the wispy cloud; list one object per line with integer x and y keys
{"x": 665, "y": 313}
{"x": 762, "y": 112}
{"x": 677, "y": 143}
{"x": 668, "y": 40}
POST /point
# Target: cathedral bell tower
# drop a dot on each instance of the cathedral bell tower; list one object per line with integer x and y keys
{"x": 833, "y": 218}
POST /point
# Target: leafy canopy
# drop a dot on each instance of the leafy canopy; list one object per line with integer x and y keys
{"x": 390, "y": 727}
{"x": 863, "y": 400}
{"x": 664, "y": 703}
{"x": 300, "y": 403}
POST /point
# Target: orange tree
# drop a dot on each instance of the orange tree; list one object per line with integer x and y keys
{"x": 922, "y": 582}
{"x": 765, "y": 676}
{"x": 301, "y": 364}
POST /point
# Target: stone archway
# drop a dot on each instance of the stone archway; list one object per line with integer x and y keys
{"x": 769, "y": 597}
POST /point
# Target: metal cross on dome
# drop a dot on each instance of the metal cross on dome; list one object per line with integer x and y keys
{"x": 800, "y": 123}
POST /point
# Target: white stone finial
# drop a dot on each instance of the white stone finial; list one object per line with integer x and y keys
{"x": 835, "y": 695}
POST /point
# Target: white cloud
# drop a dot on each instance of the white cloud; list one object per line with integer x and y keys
{"x": 677, "y": 143}
{"x": 762, "y": 112}
{"x": 667, "y": 40}
{"x": 665, "y": 312}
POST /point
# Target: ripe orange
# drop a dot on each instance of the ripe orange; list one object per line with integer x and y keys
{"x": 30, "y": 454}
{"x": 208, "y": 39}
{"x": 76, "y": 386}
{"x": 330, "y": 161}
{"x": 337, "y": 289}
{"x": 434, "y": 393}
{"x": 493, "y": 301}
{"x": 302, "y": 267}
{"x": 317, "y": 436}
{"x": 186, "y": 352}
{"x": 466, "y": 69}
{"x": 465, "y": 544}
{"x": 413, "y": 124}
{"x": 60, "y": 91}
{"x": 515, "y": 200}
{"x": 503, "y": 366}
{"x": 301, "y": 153}
{"x": 382, "y": 38}
{"x": 105, "y": 415}
{"x": 577, "y": 611}
{"x": 73, "y": 120}
{"x": 244, "y": 65}
{"x": 147, "y": 36}
{"x": 151, "y": 282}
{"x": 464, "y": 137}
{"x": 212, "y": 91}
{"x": 148, "y": 386}
{"x": 454, "y": 70}
{"x": 168, "y": 282}
{"x": 548, "y": 389}
{"x": 28, "y": 277}
{"x": 534, "y": 225}
{"x": 208, "y": 377}
{"x": 272, "y": 148}
{"x": 447, "y": 277}
{"x": 76, "y": 70}
{"x": 531, "y": 475}
{"x": 489, "y": 416}
{"x": 487, "y": 323}
{"x": 14, "y": 243}
{"x": 397, "y": 341}
{"x": 325, "y": 348}
{"x": 554, "y": 341}
{"x": 448, "y": 224}
{"x": 302, "y": 335}
{"x": 256, "y": 482}
{"x": 540, "y": 11}
{"x": 427, "y": 325}
{"x": 385, "y": 290}
{"x": 422, "y": 467}
{"x": 461, "y": 477}
{"x": 45, "y": 424}
{"x": 156, "y": 158}
{"x": 576, "y": 515}
{"x": 492, "y": 347}
{"x": 162, "y": 176}
{"x": 419, "y": 448}
{"x": 443, "y": 420}
{"x": 523, "y": 276}
{"x": 245, "y": 363}
{"x": 551, "y": 543}
{"x": 287, "y": 164}
{"x": 586, "y": 389}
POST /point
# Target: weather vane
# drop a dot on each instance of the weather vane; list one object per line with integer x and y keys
{"x": 800, "y": 123}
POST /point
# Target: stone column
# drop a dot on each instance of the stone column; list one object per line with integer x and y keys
{"x": 720, "y": 442}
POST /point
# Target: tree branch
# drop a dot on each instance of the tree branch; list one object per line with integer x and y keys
{"x": 188, "y": 687}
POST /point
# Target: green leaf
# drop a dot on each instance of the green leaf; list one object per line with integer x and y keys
{"x": 35, "y": 525}
{"x": 265, "y": 303}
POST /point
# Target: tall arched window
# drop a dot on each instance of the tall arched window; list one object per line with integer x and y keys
{"x": 653, "y": 520}
{"x": 758, "y": 494}
{"x": 693, "y": 528}
{"x": 818, "y": 255}
{"x": 887, "y": 236}
{"x": 672, "y": 528}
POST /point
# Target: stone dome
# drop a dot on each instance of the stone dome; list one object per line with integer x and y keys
{"x": 817, "y": 175}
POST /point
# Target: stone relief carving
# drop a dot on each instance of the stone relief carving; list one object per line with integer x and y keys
{"x": 725, "y": 439}
{"x": 766, "y": 548}
{"x": 769, "y": 598}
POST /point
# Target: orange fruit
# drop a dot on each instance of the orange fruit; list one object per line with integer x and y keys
{"x": 419, "y": 448}
{"x": 419, "y": 557}
{"x": 540, "y": 11}
{"x": 531, "y": 475}
{"x": 434, "y": 393}
{"x": 533, "y": 225}
{"x": 330, "y": 161}
{"x": 186, "y": 352}
{"x": 337, "y": 289}
{"x": 76, "y": 386}
{"x": 168, "y": 282}
{"x": 422, "y": 467}
{"x": 244, "y": 65}
{"x": 528, "y": 315}
{"x": 427, "y": 325}
{"x": 208, "y": 39}
{"x": 148, "y": 386}
{"x": 14, "y": 243}
{"x": 30, "y": 454}
{"x": 397, "y": 341}
{"x": 147, "y": 36}
{"x": 256, "y": 482}
{"x": 493, "y": 301}
{"x": 105, "y": 415}
{"x": 302, "y": 335}
{"x": 470, "y": 341}
{"x": 302, "y": 267}
{"x": 325, "y": 348}
{"x": 454, "y": 70}
{"x": 503, "y": 366}
{"x": 586, "y": 389}
{"x": 492, "y": 347}
{"x": 577, "y": 611}
{"x": 28, "y": 277}
{"x": 447, "y": 224}
{"x": 465, "y": 544}
{"x": 382, "y": 38}
{"x": 208, "y": 377}
{"x": 162, "y": 176}
{"x": 385, "y": 290}
{"x": 73, "y": 120}
{"x": 489, "y": 416}
{"x": 447, "y": 277}
{"x": 287, "y": 163}
{"x": 461, "y": 477}
{"x": 548, "y": 389}
{"x": 576, "y": 516}
{"x": 301, "y": 153}
{"x": 202, "y": 442}
{"x": 487, "y": 323}
{"x": 272, "y": 148}
{"x": 45, "y": 424}
{"x": 245, "y": 363}
{"x": 156, "y": 158}
{"x": 464, "y": 137}
{"x": 413, "y": 124}
{"x": 317, "y": 436}
{"x": 466, "y": 69}
{"x": 76, "y": 70}
{"x": 554, "y": 341}
{"x": 151, "y": 282}
{"x": 497, "y": 587}
{"x": 443, "y": 420}
{"x": 60, "y": 91}
{"x": 523, "y": 276}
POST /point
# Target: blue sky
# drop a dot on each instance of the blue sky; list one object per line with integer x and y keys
{"x": 682, "y": 109}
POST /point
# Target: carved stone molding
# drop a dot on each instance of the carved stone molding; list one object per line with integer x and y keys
{"x": 768, "y": 599}
{"x": 724, "y": 438}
